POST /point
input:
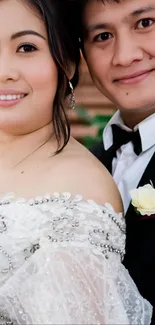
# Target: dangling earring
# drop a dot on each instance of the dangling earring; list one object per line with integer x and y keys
{"x": 72, "y": 102}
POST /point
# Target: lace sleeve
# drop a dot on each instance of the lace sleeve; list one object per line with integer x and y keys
{"x": 75, "y": 275}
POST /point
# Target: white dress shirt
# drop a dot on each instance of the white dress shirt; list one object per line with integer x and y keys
{"x": 127, "y": 167}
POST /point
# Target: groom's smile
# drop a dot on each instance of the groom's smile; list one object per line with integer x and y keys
{"x": 134, "y": 78}
{"x": 119, "y": 46}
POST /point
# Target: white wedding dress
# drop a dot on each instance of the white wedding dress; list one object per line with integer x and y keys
{"x": 60, "y": 263}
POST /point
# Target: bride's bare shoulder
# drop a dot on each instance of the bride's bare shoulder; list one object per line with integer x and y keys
{"x": 76, "y": 170}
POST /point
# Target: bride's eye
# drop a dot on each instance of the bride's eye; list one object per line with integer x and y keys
{"x": 26, "y": 48}
{"x": 145, "y": 23}
{"x": 103, "y": 37}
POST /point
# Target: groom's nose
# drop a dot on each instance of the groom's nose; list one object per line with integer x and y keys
{"x": 126, "y": 50}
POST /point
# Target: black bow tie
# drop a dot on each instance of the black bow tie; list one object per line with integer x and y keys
{"x": 121, "y": 137}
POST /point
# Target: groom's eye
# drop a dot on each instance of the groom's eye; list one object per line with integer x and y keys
{"x": 103, "y": 37}
{"x": 145, "y": 23}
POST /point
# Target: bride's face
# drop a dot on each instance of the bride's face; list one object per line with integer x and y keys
{"x": 28, "y": 74}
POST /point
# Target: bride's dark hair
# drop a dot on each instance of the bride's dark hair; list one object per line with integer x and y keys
{"x": 59, "y": 17}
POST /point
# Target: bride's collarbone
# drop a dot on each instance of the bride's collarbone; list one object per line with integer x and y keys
{"x": 23, "y": 180}
{"x": 33, "y": 179}
{"x": 65, "y": 172}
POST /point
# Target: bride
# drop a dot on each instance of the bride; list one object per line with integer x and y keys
{"x": 60, "y": 253}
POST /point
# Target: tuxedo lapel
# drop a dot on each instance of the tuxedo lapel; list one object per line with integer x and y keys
{"x": 140, "y": 244}
{"x": 140, "y": 234}
{"x": 148, "y": 175}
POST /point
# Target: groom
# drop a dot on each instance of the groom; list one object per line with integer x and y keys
{"x": 118, "y": 42}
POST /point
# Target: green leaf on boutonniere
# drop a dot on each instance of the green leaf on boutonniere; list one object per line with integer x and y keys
{"x": 137, "y": 212}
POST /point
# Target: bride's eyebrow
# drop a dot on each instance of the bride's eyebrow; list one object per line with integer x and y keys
{"x": 26, "y": 32}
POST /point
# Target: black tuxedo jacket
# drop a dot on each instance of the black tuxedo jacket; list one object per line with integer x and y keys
{"x": 140, "y": 240}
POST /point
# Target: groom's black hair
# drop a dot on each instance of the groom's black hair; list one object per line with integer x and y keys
{"x": 84, "y": 2}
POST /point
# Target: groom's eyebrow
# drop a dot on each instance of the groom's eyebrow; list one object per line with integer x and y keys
{"x": 105, "y": 25}
{"x": 143, "y": 10}
{"x": 94, "y": 27}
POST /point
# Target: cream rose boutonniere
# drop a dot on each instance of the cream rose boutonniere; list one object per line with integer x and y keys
{"x": 143, "y": 199}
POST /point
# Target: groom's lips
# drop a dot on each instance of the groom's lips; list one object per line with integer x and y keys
{"x": 133, "y": 78}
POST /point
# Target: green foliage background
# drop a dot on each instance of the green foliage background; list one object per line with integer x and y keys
{"x": 99, "y": 121}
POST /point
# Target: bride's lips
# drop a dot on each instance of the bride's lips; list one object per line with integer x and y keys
{"x": 134, "y": 78}
{"x": 10, "y": 97}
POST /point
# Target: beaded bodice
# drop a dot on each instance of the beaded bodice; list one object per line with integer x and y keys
{"x": 25, "y": 225}
{"x": 60, "y": 263}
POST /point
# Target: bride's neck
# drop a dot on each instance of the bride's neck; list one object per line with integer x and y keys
{"x": 14, "y": 149}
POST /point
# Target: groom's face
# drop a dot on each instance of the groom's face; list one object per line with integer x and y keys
{"x": 119, "y": 47}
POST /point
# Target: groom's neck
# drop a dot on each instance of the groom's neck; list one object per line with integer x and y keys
{"x": 131, "y": 118}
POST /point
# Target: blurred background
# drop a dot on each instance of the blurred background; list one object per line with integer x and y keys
{"x": 92, "y": 112}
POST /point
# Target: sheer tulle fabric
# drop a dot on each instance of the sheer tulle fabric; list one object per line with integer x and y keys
{"x": 66, "y": 280}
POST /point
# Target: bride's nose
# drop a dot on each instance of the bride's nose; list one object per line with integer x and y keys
{"x": 8, "y": 69}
